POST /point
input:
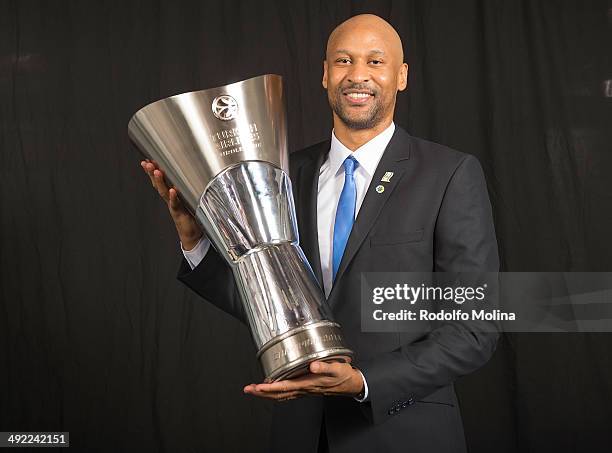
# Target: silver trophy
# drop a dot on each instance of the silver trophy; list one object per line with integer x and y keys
{"x": 225, "y": 150}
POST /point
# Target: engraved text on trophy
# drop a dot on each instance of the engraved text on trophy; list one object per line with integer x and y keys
{"x": 231, "y": 141}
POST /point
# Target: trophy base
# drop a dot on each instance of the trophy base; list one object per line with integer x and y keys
{"x": 290, "y": 354}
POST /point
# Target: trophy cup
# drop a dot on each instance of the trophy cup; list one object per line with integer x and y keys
{"x": 225, "y": 151}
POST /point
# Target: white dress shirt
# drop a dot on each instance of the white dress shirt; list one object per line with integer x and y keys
{"x": 331, "y": 181}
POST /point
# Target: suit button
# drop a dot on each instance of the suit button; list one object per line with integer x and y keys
{"x": 391, "y": 411}
{"x": 410, "y": 401}
{"x": 405, "y": 404}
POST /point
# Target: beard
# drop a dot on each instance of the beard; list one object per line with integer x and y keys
{"x": 366, "y": 120}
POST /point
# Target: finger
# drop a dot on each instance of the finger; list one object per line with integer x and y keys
{"x": 149, "y": 168}
{"x": 280, "y": 396}
{"x": 324, "y": 368}
{"x": 290, "y": 396}
{"x": 160, "y": 184}
{"x": 275, "y": 387}
{"x": 249, "y": 388}
{"x": 288, "y": 385}
{"x": 175, "y": 201}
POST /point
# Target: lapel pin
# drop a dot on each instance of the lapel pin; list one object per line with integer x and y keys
{"x": 380, "y": 189}
{"x": 387, "y": 176}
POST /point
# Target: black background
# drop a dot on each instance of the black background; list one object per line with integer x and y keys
{"x": 99, "y": 339}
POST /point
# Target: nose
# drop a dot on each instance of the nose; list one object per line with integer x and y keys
{"x": 359, "y": 73}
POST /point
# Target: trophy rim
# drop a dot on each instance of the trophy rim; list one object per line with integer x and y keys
{"x": 174, "y": 96}
{"x": 312, "y": 325}
{"x": 299, "y": 366}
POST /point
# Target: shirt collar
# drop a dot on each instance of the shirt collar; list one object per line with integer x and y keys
{"x": 368, "y": 155}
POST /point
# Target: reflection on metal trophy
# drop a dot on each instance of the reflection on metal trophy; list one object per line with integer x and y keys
{"x": 225, "y": 150}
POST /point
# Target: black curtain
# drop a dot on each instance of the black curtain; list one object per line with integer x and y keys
{"x": 99, "y": 339}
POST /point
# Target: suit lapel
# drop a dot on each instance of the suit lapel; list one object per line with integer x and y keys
{"x": 308, "y": 183}
{"x": 395, "y": 159}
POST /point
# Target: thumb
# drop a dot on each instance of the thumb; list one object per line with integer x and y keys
{"x": 318, "y": 367}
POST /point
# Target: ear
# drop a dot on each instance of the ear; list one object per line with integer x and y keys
{"x": 324, "y": 81}
{"x": 402, "y": 80}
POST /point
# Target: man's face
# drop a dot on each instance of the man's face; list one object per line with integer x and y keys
{"x": 362, "y": 74}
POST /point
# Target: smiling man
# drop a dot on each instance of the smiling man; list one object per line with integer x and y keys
{"x": 363, "y": 71}
{"x": 432, "y": 214}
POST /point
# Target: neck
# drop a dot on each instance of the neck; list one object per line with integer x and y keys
{"x": 355, "y": 138}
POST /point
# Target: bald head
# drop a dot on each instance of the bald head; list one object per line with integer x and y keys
{"x": 367, "y": 24}
{"x": 363, "y": 71}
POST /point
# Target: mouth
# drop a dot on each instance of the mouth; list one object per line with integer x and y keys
{"x": 358, "y": 97}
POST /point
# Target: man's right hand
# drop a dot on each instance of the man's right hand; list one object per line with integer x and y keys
{"x": 189, "y": 231}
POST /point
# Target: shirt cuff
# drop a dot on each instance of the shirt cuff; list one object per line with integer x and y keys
{"x": 365, "y": 389}
{"x": 196, "y": 254}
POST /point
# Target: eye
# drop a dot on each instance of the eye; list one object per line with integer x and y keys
{"x": 376, "y": 62}
{"x": 343, "y": 60}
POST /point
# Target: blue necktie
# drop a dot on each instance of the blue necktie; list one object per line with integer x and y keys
{"x": 345, "y": 214}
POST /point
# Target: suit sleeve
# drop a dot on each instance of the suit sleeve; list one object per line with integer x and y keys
{"x": 213, "y": 280}
{"x": 464, "y": 241}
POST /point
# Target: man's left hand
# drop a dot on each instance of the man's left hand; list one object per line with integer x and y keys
{"x": 326, "y": 379}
